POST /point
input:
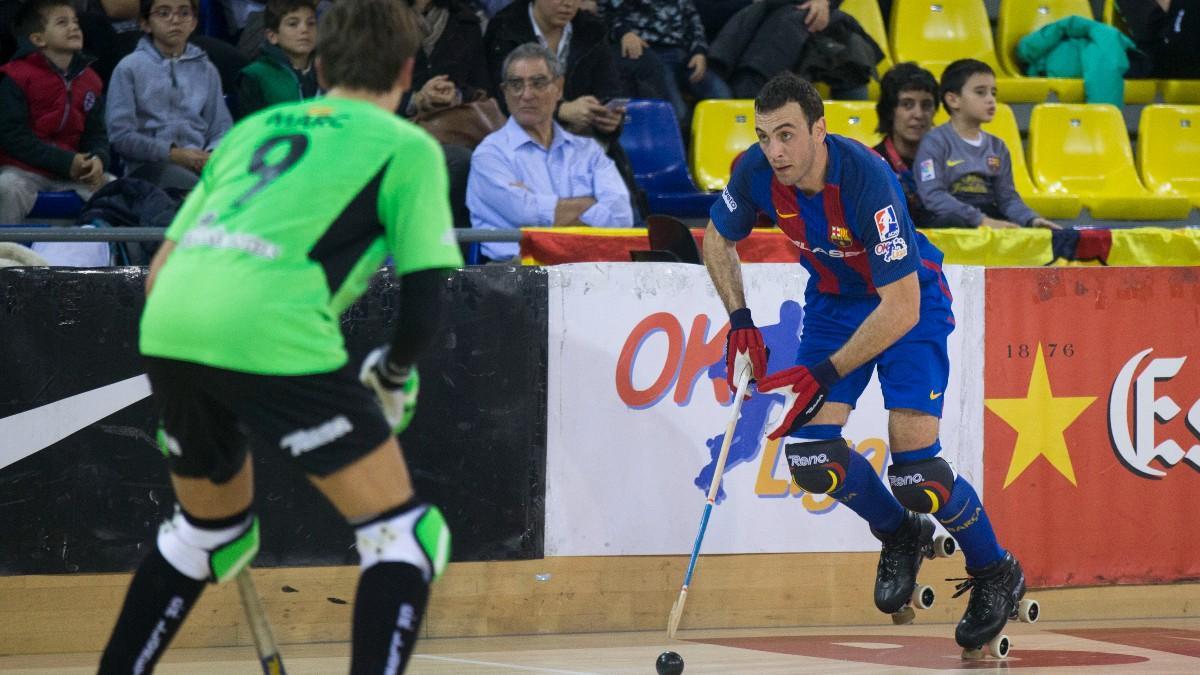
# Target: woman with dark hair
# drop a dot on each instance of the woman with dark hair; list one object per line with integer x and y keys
{"x": 907, "y": 100}
{"x": 451, "y": 65}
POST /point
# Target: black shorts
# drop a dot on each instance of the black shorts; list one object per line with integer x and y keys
{"x": 324, "y": 421}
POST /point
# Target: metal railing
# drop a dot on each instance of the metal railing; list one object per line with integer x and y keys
{"x": 92, "y": 234}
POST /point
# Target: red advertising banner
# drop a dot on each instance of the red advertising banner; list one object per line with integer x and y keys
{"x": 1092, "y": 422}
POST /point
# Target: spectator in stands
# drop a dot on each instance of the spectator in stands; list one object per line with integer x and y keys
{"x": 672, "y": 30}
{"x": 51, "y": 120}
{"x": 451, "y": 67}
{"x": 284, "y": 70}
{"x": 532, "y": 172}
{"x": 715, "y": 13}
{"x": 112, "y": 30}
{"x": 964, "y": 174}
{"x": 1168, "y": 31}
{"x": 592, "y": 89}
{"x": 812, "y": 39}
{"x": 579, "y": 41}
{"x": 907, "y": 100}
{"x": 166, "y": 111}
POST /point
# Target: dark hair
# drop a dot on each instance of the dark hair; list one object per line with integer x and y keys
{"x": 31, "y": 16}
{"x": 344, "y": 39}
{"x": 781, "y": 89}
{"x": 146, "y": 5}
{"x": 277, "y": 9}
{"x": 955, "y": 77}
{"x": 902, "y": 77}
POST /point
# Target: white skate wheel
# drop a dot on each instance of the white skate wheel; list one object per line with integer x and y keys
{"x": 1028, "y": 611}
{"x": 923, "y": 597}
{"x": 944, "y": 546}
{"x": 998, "y": 646}
{"x": 972, "y": 654}
{"x": 904, "y": 616}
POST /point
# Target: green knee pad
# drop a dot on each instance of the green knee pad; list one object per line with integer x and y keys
{"x": 227, "y": 560}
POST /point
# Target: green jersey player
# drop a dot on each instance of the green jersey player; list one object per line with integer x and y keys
{"x": 292, "y": 215}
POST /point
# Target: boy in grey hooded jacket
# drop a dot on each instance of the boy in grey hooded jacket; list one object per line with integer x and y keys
{"x": 166, "y": 111}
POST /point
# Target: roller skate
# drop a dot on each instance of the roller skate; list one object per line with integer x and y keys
{"x": 896, "y": 589}
{"x": 997, "y": 596}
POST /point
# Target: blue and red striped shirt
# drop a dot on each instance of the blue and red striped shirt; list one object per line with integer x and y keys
{"x": 853, "y": 236}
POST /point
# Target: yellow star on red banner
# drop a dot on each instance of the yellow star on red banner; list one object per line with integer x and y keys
{"x": 1039, "y": 420}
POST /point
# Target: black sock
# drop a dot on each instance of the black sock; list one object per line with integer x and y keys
{"x": 388, "y": 608}
{"x": 158, "y": 600}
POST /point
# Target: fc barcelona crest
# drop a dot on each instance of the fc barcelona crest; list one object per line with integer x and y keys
{"x": 840, "y": 235}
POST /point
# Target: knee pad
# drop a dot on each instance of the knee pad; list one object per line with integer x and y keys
{"x": 819, "y": 466}
{"x": 922, "y": 486}
{"x": 204, "y": 553}
{"x": 413, "y": 533}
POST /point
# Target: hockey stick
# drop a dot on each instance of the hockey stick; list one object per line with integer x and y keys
{"x": 677, "y": 609}
{"x": 268, "y": 653}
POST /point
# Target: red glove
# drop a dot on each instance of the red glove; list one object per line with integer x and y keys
{"x": 744, "y": 348}
{"x": 804, "y": 391}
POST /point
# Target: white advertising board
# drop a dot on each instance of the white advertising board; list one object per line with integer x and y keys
{"x": 638, "y": 406}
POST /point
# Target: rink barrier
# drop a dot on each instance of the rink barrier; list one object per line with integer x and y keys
{"x": 90, "y": 502}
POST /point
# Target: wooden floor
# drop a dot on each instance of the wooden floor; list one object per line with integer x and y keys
{"x": 1110, "y": 646}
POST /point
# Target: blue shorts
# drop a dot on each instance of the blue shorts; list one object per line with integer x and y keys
{"x": 913, "y": 372}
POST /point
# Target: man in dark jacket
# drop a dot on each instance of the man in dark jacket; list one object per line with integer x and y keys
{"x": 52, "y": 134}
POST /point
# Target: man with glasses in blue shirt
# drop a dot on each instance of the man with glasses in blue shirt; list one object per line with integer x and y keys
{"x": 534, "y": 173}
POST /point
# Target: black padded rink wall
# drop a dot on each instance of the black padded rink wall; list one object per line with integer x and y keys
{"x": 89, "y": 502}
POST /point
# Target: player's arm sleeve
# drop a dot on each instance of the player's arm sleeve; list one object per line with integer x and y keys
{"x": 121, "y": 116}
{"x": 877, "y": 212}
{"x": 422, "y": 305}
{"x": 414, "y": 205}
{"x": 933, "y": 185}
{"x": 733, "y": 212}
{"x": 612, "y": 207}
{"x": 1007, "y": 198}
{"x": 492, "y": 185}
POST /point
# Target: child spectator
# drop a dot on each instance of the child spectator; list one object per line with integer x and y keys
{"x": 166, "y": 111}
{"x": 284, "y": 70}
{"x": 964, "y": 174}
{"x": 51, "y": 125}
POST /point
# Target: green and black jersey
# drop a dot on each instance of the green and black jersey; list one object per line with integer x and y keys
{"x": 295, "y": 210}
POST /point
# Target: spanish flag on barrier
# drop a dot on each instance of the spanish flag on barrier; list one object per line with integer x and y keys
{"x": 1024, "y": 247}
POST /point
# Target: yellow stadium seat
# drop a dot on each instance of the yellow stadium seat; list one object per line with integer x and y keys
{"x": 1179, "y": 91}
{"x": 723, "y": 129}
{"x": 1169, "y": 150}
{"x": 1047, "y": 204}
{"x": 720, "y": 131}
{"x": 936, "y": 33}
{"x": 854, "y": 119}
{"x": 1084, "y": 149}
{"x": 1019, "y": 18}
{"x": 866, "y": 12}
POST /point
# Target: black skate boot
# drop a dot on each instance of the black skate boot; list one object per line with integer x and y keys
{"x": 996, "y": 592}
{"x": 903, "y": 552}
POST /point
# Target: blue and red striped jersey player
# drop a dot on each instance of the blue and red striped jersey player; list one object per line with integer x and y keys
{"x": 876, "y": 301}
